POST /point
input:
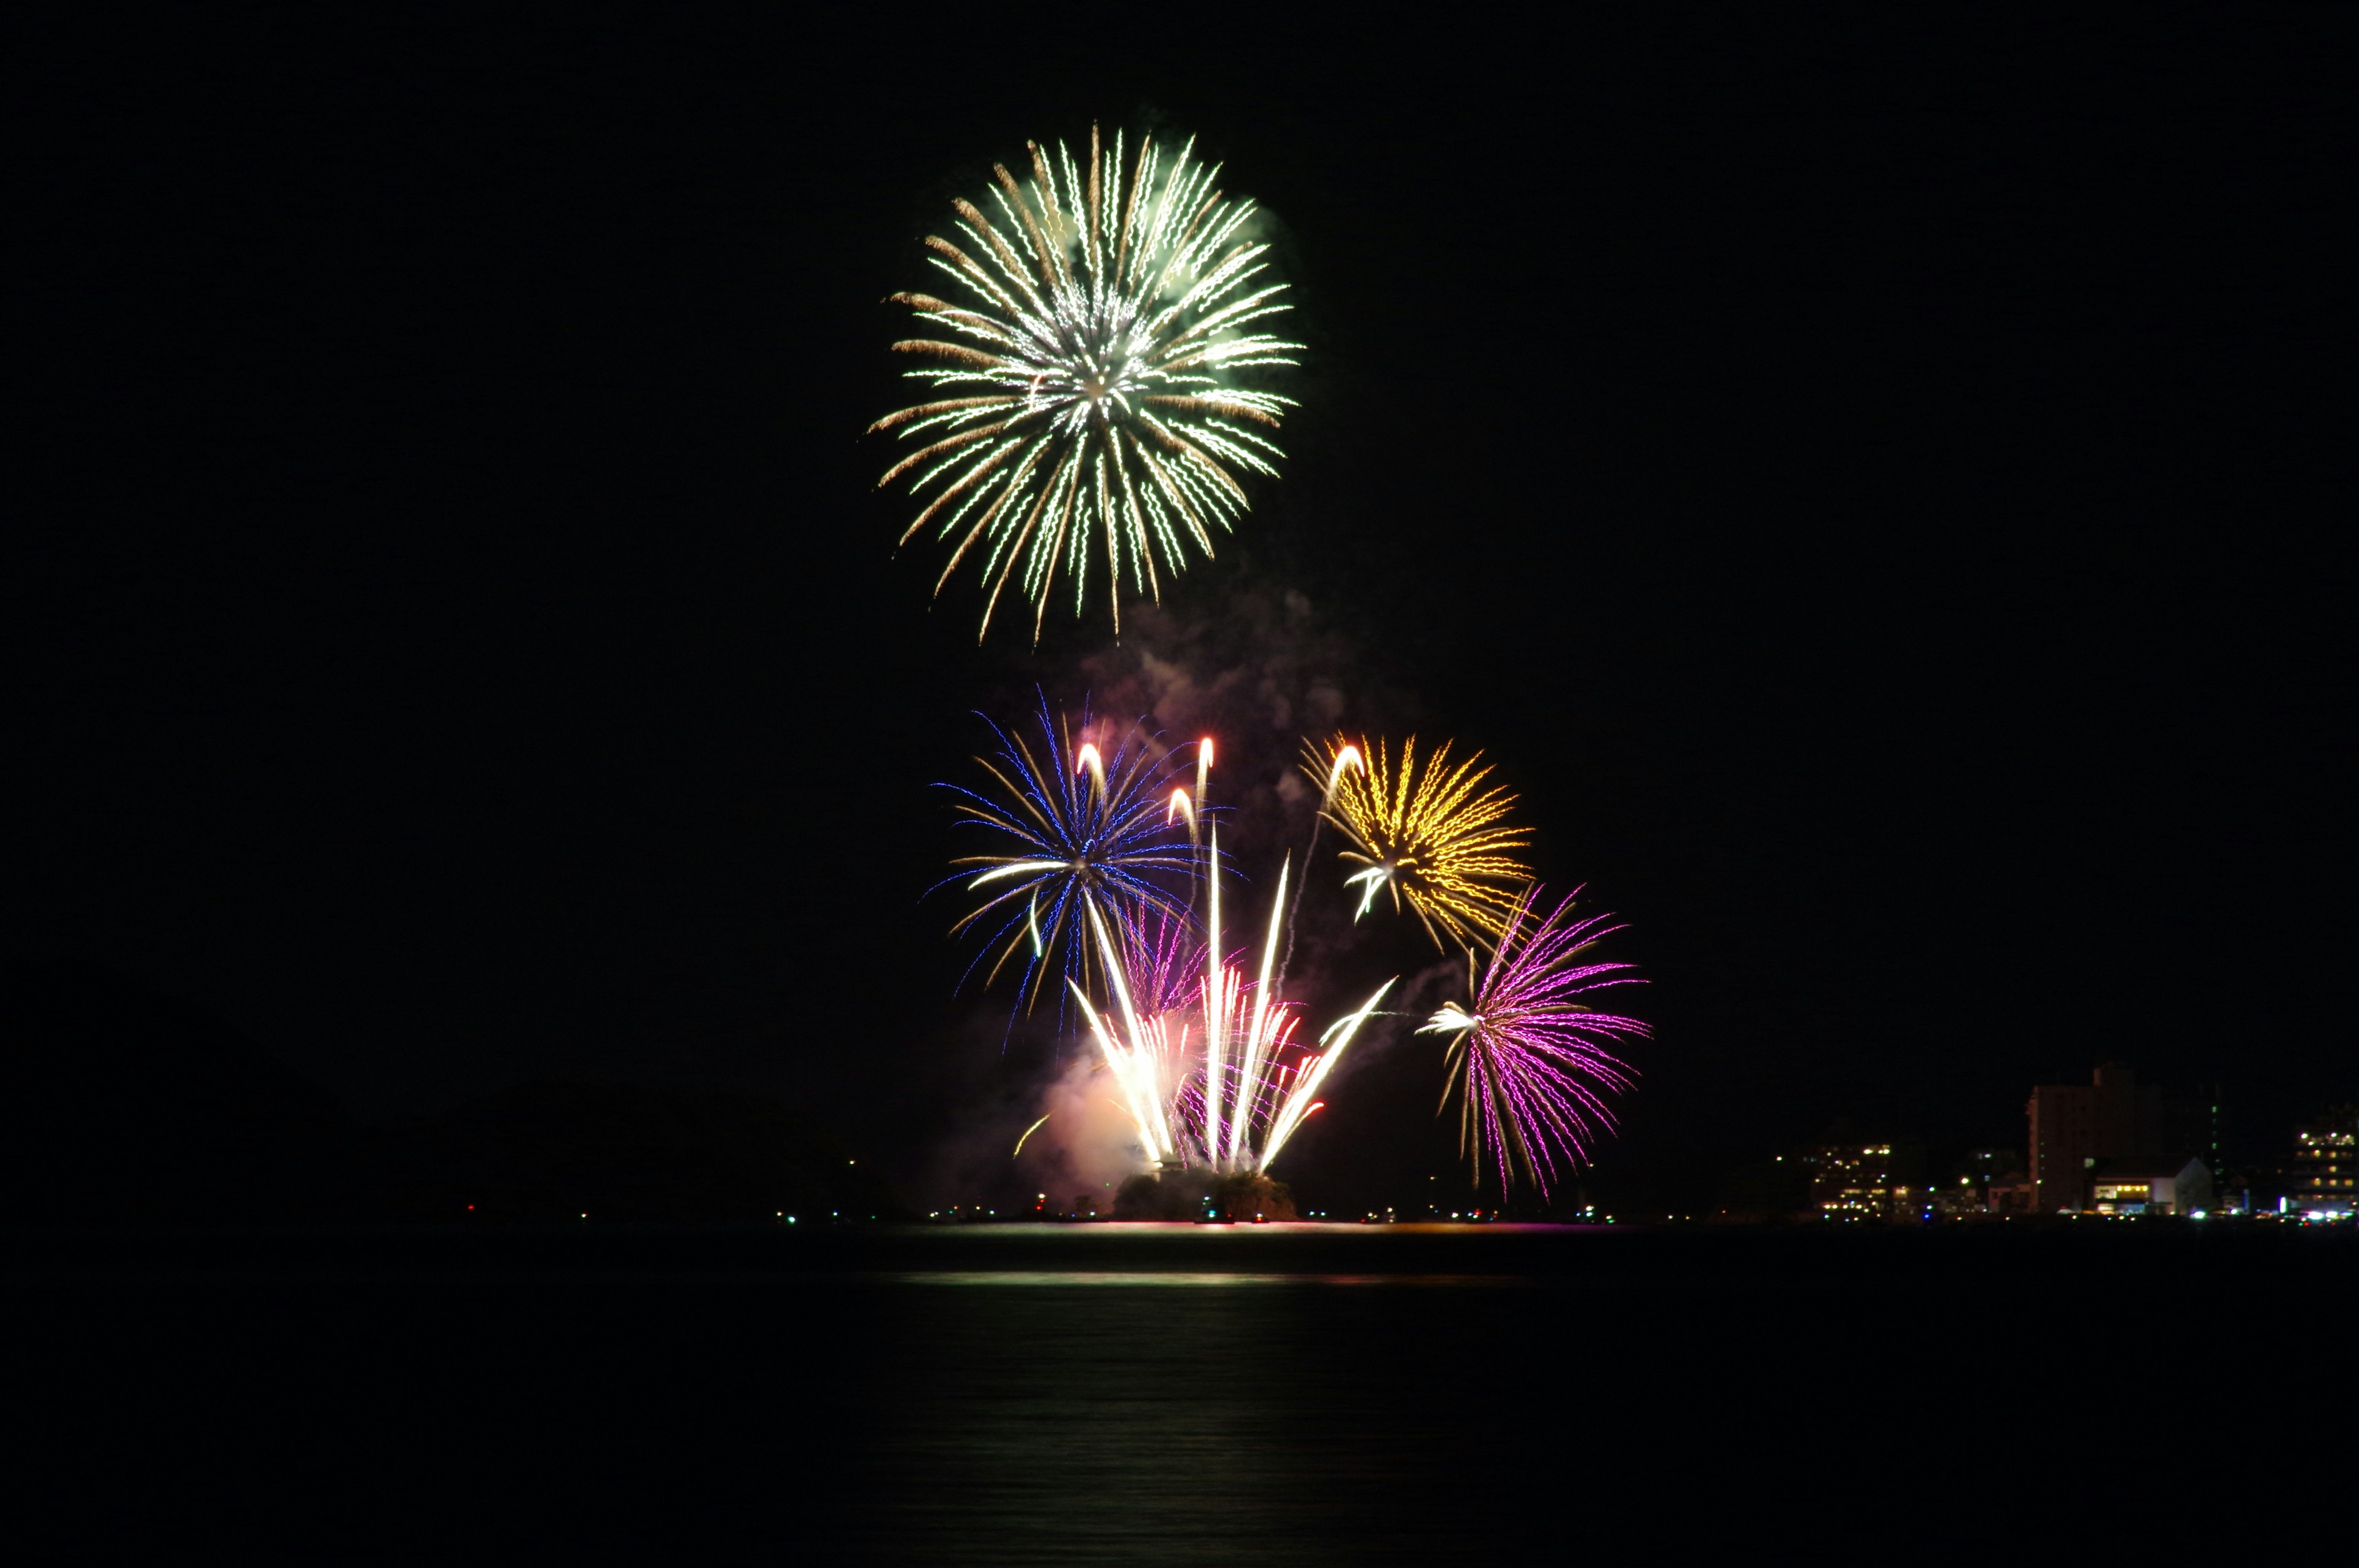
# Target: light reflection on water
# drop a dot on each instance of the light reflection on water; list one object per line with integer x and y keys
{"x": 1169, "y": 1278}
{"x": 1109, "y": 1393}
{"x": 1167, "y": 1233}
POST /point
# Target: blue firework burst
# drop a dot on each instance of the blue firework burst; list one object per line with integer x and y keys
{"x": 1083, "y": 827}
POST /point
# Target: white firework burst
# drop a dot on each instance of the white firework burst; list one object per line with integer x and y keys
{"x": 1084, "y": 408}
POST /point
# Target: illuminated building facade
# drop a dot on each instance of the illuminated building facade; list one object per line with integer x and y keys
{"x": 2073, "y": 1125}
{"x": 2325, "y": 1175}
{"x": 1862, "y": 1181}
{"x": 2172, "y": 1184}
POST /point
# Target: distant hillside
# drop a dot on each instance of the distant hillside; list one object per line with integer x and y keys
{"x": 121, "y": 1106}
{"x": 621, "y": 1152}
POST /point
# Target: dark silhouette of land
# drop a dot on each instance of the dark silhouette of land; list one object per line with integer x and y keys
{"x": 630, "y": 1152}
{"x": 121, "y": 1107}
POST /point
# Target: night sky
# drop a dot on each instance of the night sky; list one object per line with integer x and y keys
{"x": 1875, "y": 495}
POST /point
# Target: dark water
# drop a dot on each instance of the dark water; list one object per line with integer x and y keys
{"x": 1116, "y": 1394}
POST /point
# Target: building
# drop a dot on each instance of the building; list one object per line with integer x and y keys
{"x": 1855, "y": 1181}
{"x": 2325, "y": 1175}
{"x": 2012, "y": 1194}
{"x": 1989, "y": 1176}
{"x": 2193, "y": 1121}
{"x": 2175, "y": 1183}
{"x": 1971, "y": 1185}
{"x": 2073, "y": 1125}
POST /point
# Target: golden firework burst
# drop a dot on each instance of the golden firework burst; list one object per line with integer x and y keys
{"x": 1434, "y": 835}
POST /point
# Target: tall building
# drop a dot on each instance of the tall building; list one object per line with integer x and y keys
{"x": 2325, "y": 1175}
{"x": 2073, "y": 1125}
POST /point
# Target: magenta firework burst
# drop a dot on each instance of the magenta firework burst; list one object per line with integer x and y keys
{"x": 1163, "y": 959}
{"x": 1529, "y": 1059}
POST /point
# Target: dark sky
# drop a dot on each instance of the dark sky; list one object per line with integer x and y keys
{"x": 1874, "y": 493}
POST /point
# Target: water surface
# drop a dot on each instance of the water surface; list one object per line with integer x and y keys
{"x": 1119, "y": 1394}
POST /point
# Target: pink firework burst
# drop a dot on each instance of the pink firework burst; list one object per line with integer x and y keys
{"x": 1164, "y": 961}
{"x": 1531, "y": 1060}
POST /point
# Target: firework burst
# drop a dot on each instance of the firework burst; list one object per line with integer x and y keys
{"x": 1528, "y": 1059}
{"x": 1081, "y": 829}
{"x": 1434, "y": 837}
{"x": 1083, "y": 408}
{"x": 1219, "y": 1078}
{"x": 1163, "y": 960}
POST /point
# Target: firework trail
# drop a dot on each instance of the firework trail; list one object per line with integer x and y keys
{"x": 1217, "y": 1079}
{"x": 1346, "y": 758}
{"x": 1433, "y": 837}
{"x": 1146, "y": 1059}
{"x": 1079, "y": 830}
{"x": 1082, "y": 410}
{"x": 1527, "y": 1058}
{"x": 1163, "y": 961}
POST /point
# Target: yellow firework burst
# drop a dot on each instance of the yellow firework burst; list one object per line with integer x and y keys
{"x": 1086, "y": 407}
{"x": 1433, "y": 836}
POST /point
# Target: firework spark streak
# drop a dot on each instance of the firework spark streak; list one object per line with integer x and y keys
{"x": 1346, "y": 757}
{"x": 1082, "y": 830}
{"x": 1083, "y": 405}
{"x": 1528, "y": 1059}
{"x": 1256, "y": 1084}
{"x": 1434, "y": 837}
